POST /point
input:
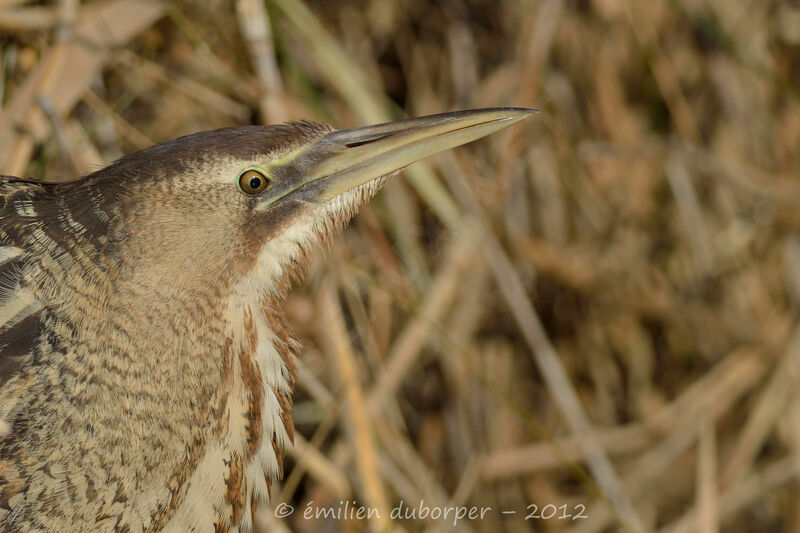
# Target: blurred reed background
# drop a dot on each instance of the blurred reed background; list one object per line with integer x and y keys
{"x": 597, "y": 308}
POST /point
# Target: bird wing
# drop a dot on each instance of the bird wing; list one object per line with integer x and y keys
{"x": 47, "y": 226}
{"x": 20, "y": 311}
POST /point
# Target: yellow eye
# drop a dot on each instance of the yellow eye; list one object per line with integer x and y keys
{"x": 253, "y": 181}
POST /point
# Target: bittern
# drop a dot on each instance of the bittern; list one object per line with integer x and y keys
{"x": 146, "y": 368}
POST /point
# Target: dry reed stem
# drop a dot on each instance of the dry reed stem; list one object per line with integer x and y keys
{"x": 663, "y": 70}
{"x": 311, "y": 460}
{"x": 705, "y": 400}
{"x": 707, "y": 506}
{"x": 197, "y": 91}
{"x": 255, "y": 24}
{"x": 125, "y": 128}
{"x": 773, "y": 400}
{"x": 523, "y": 461}
{"x": 692, "y": 214}
{"x": 12, "y": 3}
{"x": 99, "y": 27}
{"x": 292, "y": 482}
{"x": 412, "y": 339}
{"x": 749, "y": 490}
{"x": 545, "y": 356}
{"x": 75, "y": 163}
{"x": 362, "y": 439}
{"x": 28, "y": 19}
{"x": 427, "y": 488}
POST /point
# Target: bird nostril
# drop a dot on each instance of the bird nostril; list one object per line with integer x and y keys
{"x": 367, "y": 141}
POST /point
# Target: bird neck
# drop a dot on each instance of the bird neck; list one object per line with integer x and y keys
{"x": 212, "y": 420}
{"x": 244, "y": 448}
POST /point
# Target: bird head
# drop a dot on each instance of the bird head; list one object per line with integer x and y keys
{"x": 249, "y": 202}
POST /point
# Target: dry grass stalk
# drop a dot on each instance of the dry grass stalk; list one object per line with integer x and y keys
{"x": 255, "y": 24}
{"x": 360, "y": 425}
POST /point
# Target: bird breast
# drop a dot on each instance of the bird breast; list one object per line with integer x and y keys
{"x": 254, "y": 426}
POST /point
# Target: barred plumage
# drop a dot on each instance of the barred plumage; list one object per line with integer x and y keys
{"x": 146, "y": 369}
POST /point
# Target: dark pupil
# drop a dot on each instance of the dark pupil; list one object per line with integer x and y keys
{"x": 255, "y": 182}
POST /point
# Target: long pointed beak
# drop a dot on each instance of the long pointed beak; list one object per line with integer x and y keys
{"x": 345, "y": 159}
{"x": 363, "y": 154}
